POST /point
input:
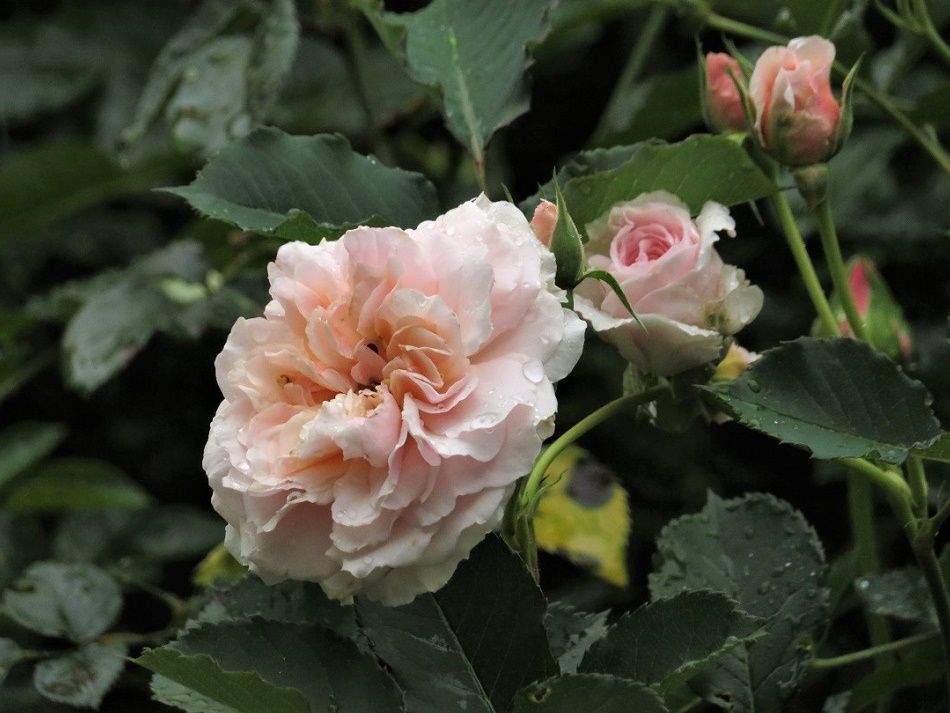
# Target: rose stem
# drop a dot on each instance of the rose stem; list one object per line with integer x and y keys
{"x": 839, "y": 275}
{"x": 530, "y": 494}
{"x": 873, "y": 652}
{"x": 805, "y": 267}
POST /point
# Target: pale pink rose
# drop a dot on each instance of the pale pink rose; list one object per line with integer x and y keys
{"x": 376, "y": 417}
{"x": 797, "y": 114}
{"x": 544, "y": 220}
{"x": 679, "y": 287}
{"x": 723, "y": 103}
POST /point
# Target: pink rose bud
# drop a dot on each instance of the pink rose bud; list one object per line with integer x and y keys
{"x": 544, "y": 220}
{"x": 722, "y": 100}
{"x": 797, "y": 115}
{"x": 377, "y": 416}
{"x": 665, "y": 262}
{"x": 882, "y": 315}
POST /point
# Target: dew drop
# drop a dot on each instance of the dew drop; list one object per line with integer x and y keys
{"x": 533, "y": 371}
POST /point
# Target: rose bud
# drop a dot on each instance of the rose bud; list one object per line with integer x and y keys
{"x": 797, "y": 116}
{"x": 722, "y": 103}
{"x": 686, "y": 298}
{"x": 376, "y": 418}
{"x": 544, "y": 220}
{"x": 882, "y": 315}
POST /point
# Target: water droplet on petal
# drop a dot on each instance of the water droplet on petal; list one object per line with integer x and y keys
{"x": 533, "y": 371}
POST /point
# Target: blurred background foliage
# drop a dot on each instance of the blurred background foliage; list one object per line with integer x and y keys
{"x": 114, "y": 299}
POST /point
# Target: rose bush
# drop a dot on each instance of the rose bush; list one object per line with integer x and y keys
{"x": 376, "y": 417}
{"x": 797, "y": 115}
{"x": 686, "y": 298}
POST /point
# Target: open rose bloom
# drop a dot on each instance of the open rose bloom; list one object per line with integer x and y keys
{"x": 376, "y": 418}
{"x": 797, "y": 115}
{"x": 685, "y": 296}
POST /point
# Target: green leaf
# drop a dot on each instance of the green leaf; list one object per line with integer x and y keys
{"x": 109, "y": 330}
{"x": 701, "y": 168}
{"x": 582, "y": 164}
{"x": 288, "y": 602}
{"x": 761, "y": 553}
{"x": 10, "y": 654}
{"x": 75, "y": 484}
{"x": 470, "y": 645}
{"x": 939, "y": 451}
{"x": 325, "y": 669}
{"x": 206, "y": 23}
{"x": 329, "y": 100}
{"x": 901, "y": 593}
{"x": 571, "y": 633}
{"x": 836, "y": 397}
{"x": 41, "y": 69}
{"x": 176, "y": 532}
{"x": 41, "y": 185}
{"x": 666, "y": 642}
{"x": 588, "y": 692}
{"x": 240, "y": 691}
{"x": 567, "y": 246}
{"x": 306, "y": 188}
{"x": 662, "y": 105}
{"x": 121, "y": 311}
{"x": 611, "y": 282}
{"x": 272, "y": 55}
{"x": 81, "y": 678}
{"x": 475, "y": 54}
{"x": 76, "y": 601}
{"x": 25, "y": 444}
{"x": 22, "y": 540}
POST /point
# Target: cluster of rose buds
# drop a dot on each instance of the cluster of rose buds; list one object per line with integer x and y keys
{"x": 787, "y": 104}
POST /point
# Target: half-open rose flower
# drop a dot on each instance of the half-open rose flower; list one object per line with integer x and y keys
{"x": 376, "y": 418}
{"x": 797, "y": 115}
{"x": 674, "y": 279}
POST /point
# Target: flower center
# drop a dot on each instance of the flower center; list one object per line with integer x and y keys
{"x": 638, "y": 244}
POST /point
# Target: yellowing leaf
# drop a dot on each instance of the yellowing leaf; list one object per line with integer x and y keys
{"x": 217, "y": 564}
{"x": 584, "y": 516}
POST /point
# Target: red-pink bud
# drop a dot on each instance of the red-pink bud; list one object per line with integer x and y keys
{"x": 544, "y": 220}
{"x": 860, "y": 289}
{"x": 797, "y": 115}
{"x": 722, "y": 99}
